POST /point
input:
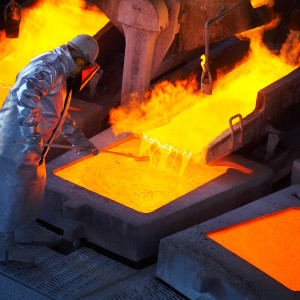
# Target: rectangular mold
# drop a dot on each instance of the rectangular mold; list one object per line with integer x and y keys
{"x": 249, "y": 263}
{"x": 135, "y": 235}
{"x": 140, "y": 184}
{"x": 269, "y": 243}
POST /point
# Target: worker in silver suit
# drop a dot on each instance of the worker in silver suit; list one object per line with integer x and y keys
{"x": 35, "y": 112}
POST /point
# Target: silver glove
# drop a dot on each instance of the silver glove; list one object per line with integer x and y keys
{"x": 77, "y": 139}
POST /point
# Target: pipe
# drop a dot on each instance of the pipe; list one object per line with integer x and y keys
{"x": 206, "y": 78}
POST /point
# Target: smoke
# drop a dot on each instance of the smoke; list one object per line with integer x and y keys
{"x": 290, "y": 51}
{"x": 159, "y": 107}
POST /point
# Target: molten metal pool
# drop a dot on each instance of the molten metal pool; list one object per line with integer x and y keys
{"x": 140, "y": 185}
{"x": 251, "y": 252}
{"x": 270, "y": 243}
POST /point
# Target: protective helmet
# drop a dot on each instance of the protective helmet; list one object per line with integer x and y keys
{"x": 87, "y": 46}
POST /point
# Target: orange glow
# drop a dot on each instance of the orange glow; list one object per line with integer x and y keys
{"x": 270, "y": 243}
{"x": 137, "y": 184}
{"x": 257, "y": 3}
{"x": 290, "y": 51}
{"x": 44, "y": 26}
{"x": 177, "y": 118}
{"x": 203, "y": 63}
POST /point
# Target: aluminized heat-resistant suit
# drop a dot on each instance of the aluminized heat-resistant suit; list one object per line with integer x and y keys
{"x": 35, "y": 111}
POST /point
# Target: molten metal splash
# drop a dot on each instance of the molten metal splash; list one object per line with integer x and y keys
{"x": 268, "y": 243}
{"x": 48, "y": 24}
{"x": 176, "y": 118}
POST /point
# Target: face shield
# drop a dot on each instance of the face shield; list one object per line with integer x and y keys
{"x": 84, "y": 50}
{"x": 87, "y": 73}
{"x": 78, "y": 82}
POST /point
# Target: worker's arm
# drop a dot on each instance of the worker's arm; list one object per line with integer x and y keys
{"x": 34, "y": 85}
{"x": 74, "y": 135}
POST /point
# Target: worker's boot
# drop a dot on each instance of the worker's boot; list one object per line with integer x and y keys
{"x": 33, "y": 234}
{"x": 13, "y": 254}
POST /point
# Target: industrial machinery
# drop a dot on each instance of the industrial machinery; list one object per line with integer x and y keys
{"x": 157, "y": 37}
{"x": 202, "y": 147}
{"x": 127, "y": 206}
{"x": 159, "y": 34}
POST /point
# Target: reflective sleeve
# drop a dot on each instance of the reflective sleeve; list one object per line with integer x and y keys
{"x": 78, "y": 139}
{"x": 34, "y": 85}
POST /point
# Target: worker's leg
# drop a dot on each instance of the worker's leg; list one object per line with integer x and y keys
{"x": 31, "y": 233}
{"x": 12, "y": 253}
{"x": 21, "y": 193}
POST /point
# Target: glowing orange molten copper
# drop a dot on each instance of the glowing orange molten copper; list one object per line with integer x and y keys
{"x": 48, "y": 24}
{"x": 176, "y": 118}
{"x": 138, "y": 184}
{"x": 269, "y": 243}
{"x": 257, "y": 3}
{"x": 173, "y": 123}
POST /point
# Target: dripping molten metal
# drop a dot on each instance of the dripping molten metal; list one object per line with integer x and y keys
{"x": 178, "y": 118}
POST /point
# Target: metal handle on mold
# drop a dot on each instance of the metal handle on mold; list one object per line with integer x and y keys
{"x": 240, "y": 141}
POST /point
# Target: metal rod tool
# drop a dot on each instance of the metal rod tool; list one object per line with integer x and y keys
{"x": 137, "y": 158}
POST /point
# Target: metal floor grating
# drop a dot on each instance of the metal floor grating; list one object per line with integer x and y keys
{"x": 67, "y": 277}
{"x": 146, "y": 288}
